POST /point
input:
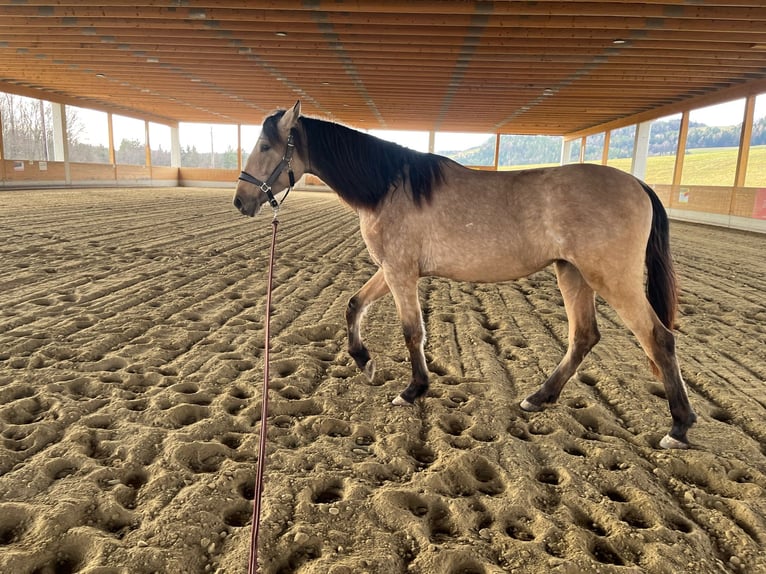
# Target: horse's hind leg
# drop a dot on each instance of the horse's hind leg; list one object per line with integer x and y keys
{"x": 373, "y": 290}
{"x": 659, "y": 344}
{"x": 579, "y": 302}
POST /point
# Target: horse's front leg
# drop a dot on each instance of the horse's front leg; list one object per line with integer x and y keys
{"x": 373, "y": 290}
{"x": 405, "y": 291}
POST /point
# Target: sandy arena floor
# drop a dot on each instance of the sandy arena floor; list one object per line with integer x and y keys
{"x": 131, "y": 345}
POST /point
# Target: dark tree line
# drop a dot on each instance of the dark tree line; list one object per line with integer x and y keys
{"x": 663, "y": 140}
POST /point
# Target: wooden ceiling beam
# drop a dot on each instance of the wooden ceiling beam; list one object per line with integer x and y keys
{"x": 399, "y": 10}
{"x": 527, "y": 78}
{"x": 702, "y": 55}
{"x": 399, "y": 6}
{"x": 635, "y": 17}
{"x": 509, "y": 50}
{"x": 445, "y": 58}
{"x": 729, "y": 94}
{"x": 481, "y": 78}
{"x": 53, "y": 41}
{"x": 81, "y": 102}
{"x": 372, "y": 34}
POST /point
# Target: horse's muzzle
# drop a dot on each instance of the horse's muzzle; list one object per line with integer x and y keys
{"x": 239, "y": 205}
{"x": 245, "y": 205}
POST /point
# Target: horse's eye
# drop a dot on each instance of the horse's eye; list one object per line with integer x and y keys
{"x": 265, "y": 147}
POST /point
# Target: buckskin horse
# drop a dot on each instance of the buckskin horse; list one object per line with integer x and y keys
{"x": 421, "y": 215}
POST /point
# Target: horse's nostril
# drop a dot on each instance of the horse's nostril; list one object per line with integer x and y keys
{"x": 237, "y": 203}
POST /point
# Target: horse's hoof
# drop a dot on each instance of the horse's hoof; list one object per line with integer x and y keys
{"x": 670, "y": 442}
{"x": 369, "y": 370}
{"x": 400, "y": 401}
{"x": 530, "y": 407}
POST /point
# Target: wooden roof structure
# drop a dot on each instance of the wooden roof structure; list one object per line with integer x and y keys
{"x": 543, "y": 67}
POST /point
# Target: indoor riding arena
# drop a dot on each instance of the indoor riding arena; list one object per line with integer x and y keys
{"x": 134, "y": 315}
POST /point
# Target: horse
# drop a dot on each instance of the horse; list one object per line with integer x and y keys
{"x": 422, "y": 214}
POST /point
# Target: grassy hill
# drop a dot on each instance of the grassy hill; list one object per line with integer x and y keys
{"x": 709, "y": 166}
{"x": 663, "y": 139}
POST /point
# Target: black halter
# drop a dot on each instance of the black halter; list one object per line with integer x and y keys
{"x": 286, "y": 163}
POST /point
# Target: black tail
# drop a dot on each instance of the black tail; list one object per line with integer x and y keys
{"x": 661, "y": 285}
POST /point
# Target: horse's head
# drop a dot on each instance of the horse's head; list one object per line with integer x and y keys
{"x": 273, "y": 165}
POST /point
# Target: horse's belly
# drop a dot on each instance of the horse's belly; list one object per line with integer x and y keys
{"x": 482, "y": 265}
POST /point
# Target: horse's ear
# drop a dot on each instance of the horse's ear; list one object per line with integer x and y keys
{"x": 290, "y": 119}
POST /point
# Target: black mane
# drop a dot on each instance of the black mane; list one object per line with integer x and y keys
{"x": 361, "y": 168}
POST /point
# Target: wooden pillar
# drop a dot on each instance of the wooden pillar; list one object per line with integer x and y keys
{"x": 497, "y": 150}
{"x": 744, "y": 142}
{"x": 605, "y": 151}
{"x": 582, "y": 149}
{"x": 683, "y": 132}
{"x": 110, "y": 129}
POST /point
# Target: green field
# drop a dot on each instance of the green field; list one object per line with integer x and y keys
{"x": 714, "y": 166}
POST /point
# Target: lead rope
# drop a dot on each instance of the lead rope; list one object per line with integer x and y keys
{"x": 252, "y": 567}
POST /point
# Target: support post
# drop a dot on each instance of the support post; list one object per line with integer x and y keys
{"x": 566, "y": 151}
{"x": 640, "y": 150}
{"x": 147, "y": 146}
{"x": 60, "y": 140}
{"x": 744, "y": 142}
{"x": 2, "y": 152}
{"x": 60, "y": 148}
{"x": 110, "y": 130}
{"x": 683, "y": 132}
{"x": 175, "y": 147}
{"x": 605, "y": 151}
{"x": 239, "y": 148}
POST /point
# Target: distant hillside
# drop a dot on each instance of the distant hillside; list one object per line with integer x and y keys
{"x": 523, "y": 150}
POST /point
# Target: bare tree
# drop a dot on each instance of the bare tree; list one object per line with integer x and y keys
{"x": 28, "y": 129}
{"x": 27, "y": 132}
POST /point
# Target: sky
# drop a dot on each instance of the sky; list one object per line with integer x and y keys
{"x": 199, "y": 135}
{"x": 727, "y": 114}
